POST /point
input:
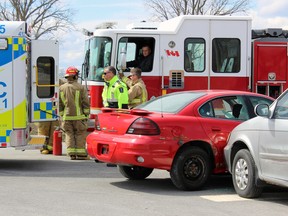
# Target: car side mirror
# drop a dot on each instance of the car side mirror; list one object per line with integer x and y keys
{"x": 262, "y": 110}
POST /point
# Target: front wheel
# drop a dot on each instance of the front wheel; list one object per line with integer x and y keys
{"x": 135, "y": 172}
{"x": 244, "y": 173}
{"x": 191, "y": 169}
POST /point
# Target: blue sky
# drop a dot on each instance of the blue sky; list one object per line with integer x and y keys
{"x": 89, "y": 14}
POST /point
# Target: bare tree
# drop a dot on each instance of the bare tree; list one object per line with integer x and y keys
{"x": 166, "y": 9}
{"x": 44, "y": 17}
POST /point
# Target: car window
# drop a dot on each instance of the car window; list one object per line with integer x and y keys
{"x": 232, "y": 107}
{"x": 281, "y": 109}
{"x": 259, "y": 100}
{"x": 171, "y": 103}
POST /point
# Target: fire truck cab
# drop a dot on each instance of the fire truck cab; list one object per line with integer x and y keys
{"x": 28, "y": 85}
{"x": 189, "y": 52}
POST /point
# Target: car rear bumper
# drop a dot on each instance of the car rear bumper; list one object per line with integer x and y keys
{"x": 145, "y": 151}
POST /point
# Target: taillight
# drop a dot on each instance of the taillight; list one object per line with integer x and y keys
{"x": 97, "y": 124}
{"x": 143, "y": 126}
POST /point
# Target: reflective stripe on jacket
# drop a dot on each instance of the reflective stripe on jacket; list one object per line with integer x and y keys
{"x": 137, "y": 94}
{"x": 74, "y": 102}
{"x": 115, "y": 94}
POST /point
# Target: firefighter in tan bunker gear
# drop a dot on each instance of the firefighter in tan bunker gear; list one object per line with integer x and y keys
{"x": 137, "y": 92}
{"x": 74, "y": 108}
{"x": 47, "y": 129}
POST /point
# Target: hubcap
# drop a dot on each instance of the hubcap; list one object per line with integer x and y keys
{"x": 193, "y": 168}
{"x": 241, "y": 174}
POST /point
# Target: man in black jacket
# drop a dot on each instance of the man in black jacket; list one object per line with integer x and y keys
{"x": 145, "y": 61}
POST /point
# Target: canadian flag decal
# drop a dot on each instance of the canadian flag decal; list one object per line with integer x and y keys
{"x": 172, "y": 53}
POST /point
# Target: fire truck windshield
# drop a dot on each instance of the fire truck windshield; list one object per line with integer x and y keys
{"x": 98, "y": 56}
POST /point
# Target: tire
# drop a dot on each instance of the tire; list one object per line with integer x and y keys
{"x": 244, "y": 175}
{"x": 191, "y": 169}
{"x": 135, "y": 172}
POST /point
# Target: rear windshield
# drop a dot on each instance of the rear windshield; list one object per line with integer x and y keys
{"x": 171, "y": 103}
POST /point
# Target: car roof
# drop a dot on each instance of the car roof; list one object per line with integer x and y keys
{"x": 220, "y": 92}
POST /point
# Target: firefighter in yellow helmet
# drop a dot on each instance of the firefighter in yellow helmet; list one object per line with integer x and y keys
{"x": 74, "y": 108}
{"x": 115, "y": 94}
{"x": 137, "y": 89}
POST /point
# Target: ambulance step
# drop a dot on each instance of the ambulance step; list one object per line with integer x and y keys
{"x": 36, "y": 142}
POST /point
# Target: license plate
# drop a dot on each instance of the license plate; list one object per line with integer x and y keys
{"x": 105, "y": 149}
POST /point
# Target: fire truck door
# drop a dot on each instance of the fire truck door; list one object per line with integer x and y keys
{"x": 270, "y": 69}
{"x": 44, "y": 80}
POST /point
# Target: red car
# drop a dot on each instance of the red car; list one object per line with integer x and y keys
{"x": 184, "y": 133}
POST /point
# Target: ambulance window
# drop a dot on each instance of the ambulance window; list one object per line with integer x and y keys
{"x": 46, "y": 76}
{"x": 3, "y": 44}
{"x": 226, "y": 55}
{"x": 194, "y": 55}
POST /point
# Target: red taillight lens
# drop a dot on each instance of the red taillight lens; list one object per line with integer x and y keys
{"x": 97, "y": 124}
{"x": 144, "y": 126}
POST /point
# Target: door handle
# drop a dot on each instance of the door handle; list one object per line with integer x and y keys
{"x": 216, "y": 129}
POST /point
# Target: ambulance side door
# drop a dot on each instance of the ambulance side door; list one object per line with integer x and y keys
{"x": 44, "y": 80}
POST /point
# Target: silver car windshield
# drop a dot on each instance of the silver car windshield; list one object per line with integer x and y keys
{"x": 171, "y": 103}
{"x": 281, "y": 110}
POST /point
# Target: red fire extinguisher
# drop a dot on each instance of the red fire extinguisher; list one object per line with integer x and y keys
{"x": 57, "y": 141}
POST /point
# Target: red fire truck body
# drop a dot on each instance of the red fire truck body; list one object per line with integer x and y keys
{"x": 270, "y": 65}
{"x": 189, "y": 53}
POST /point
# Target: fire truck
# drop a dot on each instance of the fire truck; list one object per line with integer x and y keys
{"x": 191, "y": 52}
{"x": 28, "y": 85}
{"x": 270, "y": 61}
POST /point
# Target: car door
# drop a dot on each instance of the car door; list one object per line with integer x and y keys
{"x": 218, "y": 118}
{"x": 273, "y": 144}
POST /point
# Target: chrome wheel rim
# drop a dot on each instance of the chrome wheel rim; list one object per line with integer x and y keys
{"x": 241, "y": 174}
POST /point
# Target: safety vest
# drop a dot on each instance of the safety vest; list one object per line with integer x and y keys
{"x": 115, "y": 94}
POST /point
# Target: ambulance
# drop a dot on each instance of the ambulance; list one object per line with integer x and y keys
{"x": 28, "y": 85}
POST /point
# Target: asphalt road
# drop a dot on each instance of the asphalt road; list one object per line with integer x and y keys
{"x": 32, "y": 184}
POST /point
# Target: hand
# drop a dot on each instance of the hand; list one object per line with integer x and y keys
{"x": 121, "y": 75}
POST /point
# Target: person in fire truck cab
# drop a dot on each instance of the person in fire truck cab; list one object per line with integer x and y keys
{"x": 137, "y": 92}
{"x": 115, "y": 93}
{"x": 74, "y": 108}
{"x": 145, "y": 61}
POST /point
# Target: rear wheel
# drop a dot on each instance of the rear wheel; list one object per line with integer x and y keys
{"x": 244, "y": 174}
{"x": 135, "y": 172}
{"x": 191, "y": 169}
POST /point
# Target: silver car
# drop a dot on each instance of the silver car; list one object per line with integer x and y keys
{"x": 257, "y": 150}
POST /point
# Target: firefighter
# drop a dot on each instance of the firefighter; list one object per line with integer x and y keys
{"x": 115, "y": 94}
{"x": 137, "y": 92}
{"x": 144, "y": 61}
{"x": 74, "y": 109}
{"x": 47, "y": 129}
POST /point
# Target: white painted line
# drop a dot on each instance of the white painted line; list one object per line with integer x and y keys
{"x": 224, "y": 198}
